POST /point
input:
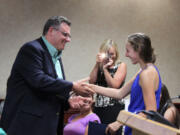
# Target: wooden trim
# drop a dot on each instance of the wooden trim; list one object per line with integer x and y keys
{"x": 145, "y": 126}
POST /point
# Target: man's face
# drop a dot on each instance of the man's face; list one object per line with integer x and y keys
{"x": 61, "y": 36}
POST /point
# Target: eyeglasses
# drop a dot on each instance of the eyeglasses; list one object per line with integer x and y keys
{"x": 65, "y": 34}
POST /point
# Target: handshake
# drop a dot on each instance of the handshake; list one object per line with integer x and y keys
{"x": 81, "y": 91}
{"x": 80, "y": 87}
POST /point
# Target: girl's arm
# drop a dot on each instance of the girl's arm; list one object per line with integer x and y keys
{"x": 94, "y": 72}
{"x": 112, "y": 92}
{"x": 149, "y": 81}
{"x": 170, "y": 114}
{"x": 86, "y": 131}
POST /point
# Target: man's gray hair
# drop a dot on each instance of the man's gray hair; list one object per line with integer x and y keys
{"x": 54, "y": 22}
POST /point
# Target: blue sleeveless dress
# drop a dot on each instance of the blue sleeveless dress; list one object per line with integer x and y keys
{"x": 136, "y": 98}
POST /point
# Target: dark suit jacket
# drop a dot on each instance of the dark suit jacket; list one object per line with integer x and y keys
{"x": 36, "y": 98}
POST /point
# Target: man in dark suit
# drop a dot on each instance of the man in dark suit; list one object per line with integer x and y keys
{"x": 37, "y": 92}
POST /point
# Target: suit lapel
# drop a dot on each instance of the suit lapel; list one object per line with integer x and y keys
{"x": 48, "y": 55}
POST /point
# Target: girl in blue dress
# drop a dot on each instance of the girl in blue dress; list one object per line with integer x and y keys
{"x": 144, "y": 87}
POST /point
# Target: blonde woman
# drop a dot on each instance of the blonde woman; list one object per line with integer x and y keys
{"x": 107, "y": 72}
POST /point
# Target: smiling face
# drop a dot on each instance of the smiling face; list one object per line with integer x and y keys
{"x": 110, "y": 50}
{"x": 60, "y": 36}
{"x": 132, "y": 54}
{"x": 112, "y": 53}
{"x": 88, "y": 105}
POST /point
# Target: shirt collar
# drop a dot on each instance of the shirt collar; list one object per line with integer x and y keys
{"x": 52, "y": 50}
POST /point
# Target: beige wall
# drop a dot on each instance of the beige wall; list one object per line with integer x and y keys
{"x": 92, "y": 22}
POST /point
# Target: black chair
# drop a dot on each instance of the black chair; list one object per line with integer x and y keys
{"x": 97, "y": 129}
{"x": 155, "y": 116}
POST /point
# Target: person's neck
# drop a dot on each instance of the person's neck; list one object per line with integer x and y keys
{"x": 50, "y": 40}
{"x": 86, "y": 113}
{"x": 144, "y": 65}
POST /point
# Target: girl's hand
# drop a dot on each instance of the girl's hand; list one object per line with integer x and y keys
{"x": 113, "y": 127}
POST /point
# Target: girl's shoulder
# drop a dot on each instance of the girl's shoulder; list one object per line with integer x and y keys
{"x": 93, "y": 117}
{"x": 120, "y": 65}
{"x": 148, "y": 71}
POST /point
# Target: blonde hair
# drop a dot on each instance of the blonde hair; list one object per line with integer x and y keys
{"x": 106, "y": 45}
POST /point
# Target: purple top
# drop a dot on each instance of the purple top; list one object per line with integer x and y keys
{"x": 78, "y": 127}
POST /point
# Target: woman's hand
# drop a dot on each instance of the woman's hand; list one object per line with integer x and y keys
{"x": 99, "y": 58}
{"x": 108, "y": 64}
{"x": 113, "y": 127}
{"x": 87, "y": 87}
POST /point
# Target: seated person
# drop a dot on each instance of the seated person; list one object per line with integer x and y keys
{"x": 167, "y": 108}
{"x": 78, "y": 123}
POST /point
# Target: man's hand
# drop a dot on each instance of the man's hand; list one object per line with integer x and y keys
{"x": 112, "y": 128}
{"x": 80, "y": 89}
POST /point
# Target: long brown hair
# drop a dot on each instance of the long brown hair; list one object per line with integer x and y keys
{"x": 141, "y": 43}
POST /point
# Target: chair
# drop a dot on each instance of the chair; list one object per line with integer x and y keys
{"x": 96, "y": 128}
